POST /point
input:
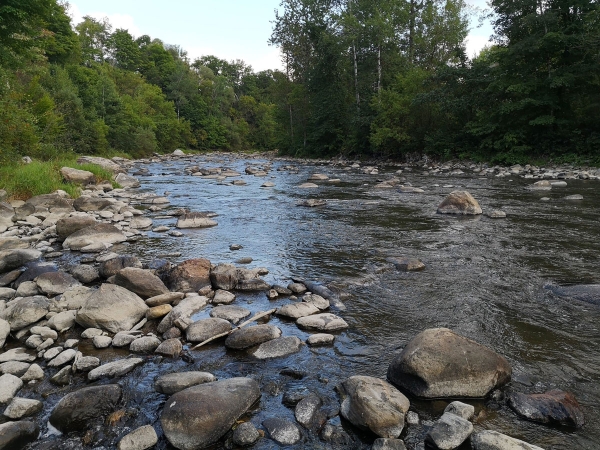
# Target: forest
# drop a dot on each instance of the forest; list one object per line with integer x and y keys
{"x": 361, "y": 78}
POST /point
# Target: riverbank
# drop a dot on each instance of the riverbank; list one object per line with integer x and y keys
{"x": 278, "y": 378}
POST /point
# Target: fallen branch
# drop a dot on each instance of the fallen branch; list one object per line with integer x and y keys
{"x": 252, "y": 319}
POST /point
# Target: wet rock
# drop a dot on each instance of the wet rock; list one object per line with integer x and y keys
{"x": 297, "y": 288}
{"x": 233, "y": 314}
{"x": 440, "y": 363}
{"x": 245, "y": 435}
{"x": 54, "y": 283}
{"x": 115, "y": 368}
{"x": 33, "y": 270}
{"x": 542, "y": 185}
{"x": 313, "y": 202}
{"x": 16, "y": 368}
{"x": 22, "y": 407}
{"x": 250, "y": 336}
{"x": 204, "y": 329}
{"x": 308, "y": 186}
{"x": 14, "y": 258}
{"x": 255, "y": 284}
{"x": 412, "y": 418}
{"x": 62, "y": 377}
{"x": 63, "y": 358}
{"x": 140, "y": 439}
{"x": 102, "y": 341}
{"x": 459, "y": 202}
{"x": 190, "y": 276}
{"x": 182, "y": 312}
{"x": 195, "y": 220}
{"x": 297, "y": 310}
{"x": 164, "y": 299}
{"x": 388, "y": 444}
{"x": 24, "y": 312}
{"x": 272, "y": 294}
{"x": 34, "y": 373}
{"x": 277, "y": 348}
{"x": 224, "y": 276}
{"x": 223, "y": 297}
{"x": 86, "y": 363}
{"x": 9, "y": 386}
{"x": 316, "y": 300}
{"x": 496, "y": 214}
{"x": 319, "y": 339}
{"x": 158, "y": 311}
{"x": 553, "y": 408}
{"x": 111, "y": 308}
{"x": 574, "y": 197}
{"x": 373, "y": 404}
{"x": 244, "y": 260}
{"x": 172, "y": 383}
{"x": 200, "y": 415}
{"x": 85, "y": 274}
{"x": 16, "y": 435}
{"x": 112, "y": 266}
{"x": 282, "y": 431}
{"x": 281, "y": 290}
{"x": 336, "y": 435}
{"x": 460, "y": 409}
{"x": 9, "y": 277}
{"x": 69, "y": 225}
{"x": 140, "y": 281}
{"x": 407, "y": 264}
{"x": 76, "y": 176}
{"x": 146, "y": 344}
{"x": 492, "y": 440}
{"x": 76, "y": 409}
{"x": 172, "y": 333}
{"x": 322, "y": 322}
{"x": 307, "y": 411}
{"x": 449, "y": 432}
{"x": 100, "y": 233}
{"x": 4, "y": 331}
{"x": 16, "y": 354}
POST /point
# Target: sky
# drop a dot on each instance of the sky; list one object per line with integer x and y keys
{"x": 228, "y": 29}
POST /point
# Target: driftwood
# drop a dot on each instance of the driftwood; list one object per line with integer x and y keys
{"x": 227, "y": 333}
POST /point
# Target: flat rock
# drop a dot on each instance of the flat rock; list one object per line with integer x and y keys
{"x": 195, "y": 220}
{"x": 191, "y": 275}
{"x": 86, "y": 363}
{"x": 322, "y": 322}
{"x": 459, "y": 202}
{"x": 164, "y": 299}
{"x": 146, "y": 344}
{"x": 16, "y": 435}
{"x": 552, "y": 408}
{"x": 139, "y": 439}
{"x": 542, "y": 185}
{"x": 204, "y": 329}
{"x": 63, "y": 358}
{"x": 172, "y": 383}
{"x": 76, "y": 409}
{"x": 140, "y": 281}
{"x": 277, "y": 348}
{"x": 16, "y": 354}
{"x": 26, "y": 311}
{"x": 449, "y": 432}
{"x": 492, "y": 440}
{"x": 14, "y": 258}
{"x": 127, "y": 181}
{"x": 439, "y": 363}
{"x": 112, "y": 266}
{"x": 69, "y": 225}
{"x": 22, "y": 407}
{"x": 54, "y": 283}
{"x": 156, "y": 312}
{"x": 223, "y": 297}
{"x": 200, "y": 415}
{"x": 112, "y": 308}
{"x": 297, "y": 310}
{"x": 373, "y": 404}
{"x": 115, "y": 368}
{"x": 233, "y": 314}
{"x": 316, "y": 300}
{"x": 100, "y": 233}
{"x": 318, "y": 339}
{"x": 283, "y": 431}
{"x": 247, "y": 337}
{"x": 9, "y": 386}
{"x": 16, "y": 368}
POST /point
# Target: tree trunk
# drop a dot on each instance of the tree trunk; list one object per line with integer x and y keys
{"x": 356, "y": 76}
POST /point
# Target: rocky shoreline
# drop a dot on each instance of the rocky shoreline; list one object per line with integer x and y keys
{"x": 48, "y": 311}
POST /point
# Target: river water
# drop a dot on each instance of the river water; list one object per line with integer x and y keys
{"x": 484, "y": 278}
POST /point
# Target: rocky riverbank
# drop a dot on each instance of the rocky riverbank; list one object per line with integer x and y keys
{"x": 71, "y": 291}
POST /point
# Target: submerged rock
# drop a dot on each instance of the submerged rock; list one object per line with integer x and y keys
{"x": 553, "y": 408}
{"x": 16, "y": 435}
{"x": 459, "y": 202}
{"x": 200, "y": 415}
{"x": 195, "y": 220}
{"x": 439, "y": 363}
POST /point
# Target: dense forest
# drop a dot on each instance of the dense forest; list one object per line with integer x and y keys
{"x": 383, "y": 78}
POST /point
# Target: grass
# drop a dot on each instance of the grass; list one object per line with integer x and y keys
{"x": 23, "y": 181}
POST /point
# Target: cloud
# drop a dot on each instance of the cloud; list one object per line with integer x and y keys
{"x": 124, "y": 21}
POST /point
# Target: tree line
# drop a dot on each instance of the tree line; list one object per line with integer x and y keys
{"x": 374, "y": 78}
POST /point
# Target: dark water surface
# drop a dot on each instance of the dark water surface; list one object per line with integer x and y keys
{"x": 484, "y": 279}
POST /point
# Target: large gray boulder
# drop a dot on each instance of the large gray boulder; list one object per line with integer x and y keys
{"x": 200, "y": 415}
{"x": 247, "y": 337}
{"x": 439, "y": 363}
{"x": 459, "y": 202}
{"x": 88, "y": 204}
{"x": 54, "y": 283}
{"x": 492, "y": 440}
{"x": 182, "y": 313}
{"x": 14, "y": 258}
{"x": 127, "y": 181}
{"x": 112, "y": 266}
{"x": 224, "y": 276}
{"x": 16, "y": 435}
{"x": 107, "y": 164}
{"x": 26, "y": 311}
{"x": 141, "y": 281}
{"x": 111, "y": 308}
{"x": 373, "y": 404}
{"x": 297, "y": 310}
{"x": 190, "y": 276}
{"x": 101, "y": 233}
{"x": 77, "y": 176}
{"x": 76, "y": 409}
{"x": 204, "y": 329}
{"x": 69, "y": 225}
{"x": 171, "y": 383}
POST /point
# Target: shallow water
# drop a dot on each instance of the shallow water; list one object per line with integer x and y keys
{"x": 484, "y": 279}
